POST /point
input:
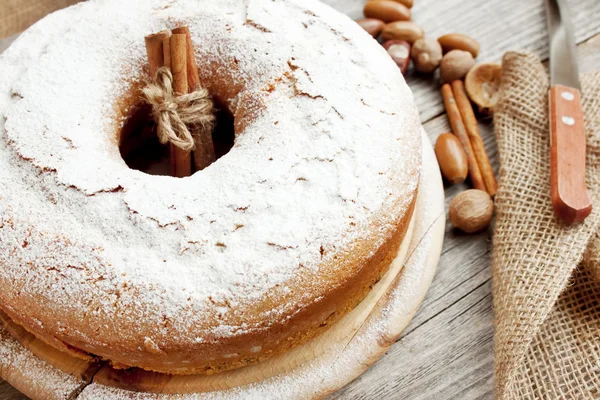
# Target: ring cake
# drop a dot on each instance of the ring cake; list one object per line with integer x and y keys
{"x": 247, "y": 258}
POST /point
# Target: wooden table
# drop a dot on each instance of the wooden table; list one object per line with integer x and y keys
{"x": 447, "y": 351}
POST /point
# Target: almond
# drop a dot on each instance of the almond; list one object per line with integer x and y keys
{"x": 387, "y": 11}
{"x": 451, "y": 158}
{"x": 402, "y": 30}
{"x": 458, "y": 41}
{"x": 407, "y": 3}
{"x": 373, "y": 26}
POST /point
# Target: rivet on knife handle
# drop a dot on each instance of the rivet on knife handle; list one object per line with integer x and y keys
{"x": 570, "y": 197}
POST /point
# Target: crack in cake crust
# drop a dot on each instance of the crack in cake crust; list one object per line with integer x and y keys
{"x": 94, "y": 258}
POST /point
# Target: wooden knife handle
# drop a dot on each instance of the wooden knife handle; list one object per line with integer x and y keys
{"x": 570, "y": 198}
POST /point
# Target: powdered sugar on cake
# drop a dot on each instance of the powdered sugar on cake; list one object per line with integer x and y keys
{"x": 305, "y": 181}
{"x": 342, "y": 361}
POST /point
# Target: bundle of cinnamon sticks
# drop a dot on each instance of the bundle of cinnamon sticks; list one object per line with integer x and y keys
{"x": 175, "y": 51}
{"x": 464, "y": 125}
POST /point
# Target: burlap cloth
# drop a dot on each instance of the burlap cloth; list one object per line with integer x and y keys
{"x": 546, "y": 277}
{"x": 546, "y": 300}
{"x": 18, "y": 15}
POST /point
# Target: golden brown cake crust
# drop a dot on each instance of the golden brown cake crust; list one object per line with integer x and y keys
{"x": 248, "y": 258}
{"x": 297, "y": 329}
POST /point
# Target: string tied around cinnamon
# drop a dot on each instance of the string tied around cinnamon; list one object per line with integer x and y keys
{"x": 179, "y": 117}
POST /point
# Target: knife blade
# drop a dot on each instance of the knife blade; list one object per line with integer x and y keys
{"x": 563, "y": 64}
{"x": 570, "y": 198}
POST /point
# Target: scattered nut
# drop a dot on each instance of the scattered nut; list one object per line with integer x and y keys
{"x": 399, "y": 50}
{"x": 482, "y": 84}
{"x": 458, "y": 41}
{"x": 402, "y": 30}
{"x": 407, "y": 3}
{"x": 455, "y": 65}
{"x": 373, "y": 26}
{"x": 426, "y": 54}
{"x": 452, "y": 158}
{"x": 471, "y": 210}
{"x": 387, "y": 11}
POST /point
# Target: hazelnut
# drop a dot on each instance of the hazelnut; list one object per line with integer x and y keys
{"x": 399, "y": 50}
{"x": 455, "y": 65}
{"x": 482, "y": 85}
{"x": 426, "y": 54}
{"x": 471, "y": 210}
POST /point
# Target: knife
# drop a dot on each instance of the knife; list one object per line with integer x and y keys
{"x": 570, "y": 198}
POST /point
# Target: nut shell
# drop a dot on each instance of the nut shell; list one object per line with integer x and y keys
{"x": 483, "y": 84}
{"x": 451, "y": 158}
{"x": 387, "y": 11}
{"x": 459, "y": 41}
{"x": 426, "y": 54}
{"x": 399, "y": 50}
{"x": 402, "y": 30}
{"x": 373, "y": 26}
{"x": 455, "y": 65}
{"x": 471, "y": 210}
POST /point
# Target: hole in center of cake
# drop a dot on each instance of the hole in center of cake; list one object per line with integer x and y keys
{"x": 141, "y": 150}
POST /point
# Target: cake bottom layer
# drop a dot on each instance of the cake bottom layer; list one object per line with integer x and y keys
{"x": 339, "y": 302}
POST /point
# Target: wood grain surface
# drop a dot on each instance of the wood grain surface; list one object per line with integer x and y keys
{"x": 447, "y": 351}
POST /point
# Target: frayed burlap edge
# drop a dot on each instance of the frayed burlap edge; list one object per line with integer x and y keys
{"x": 534, "y": 256}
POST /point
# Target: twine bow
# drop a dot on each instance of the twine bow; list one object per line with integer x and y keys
{"x": 175, "y": 113}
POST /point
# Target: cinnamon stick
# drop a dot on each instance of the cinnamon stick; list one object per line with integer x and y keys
{"x": 167, "y": 51}
{"x": 154, "y": 50}
{"x": 470, "y": 122}
{"x": 192, "y": 68}
{"x": 459, "y": 130}
{"x": 181, "y": 163}
{"x": 204, "y": 155}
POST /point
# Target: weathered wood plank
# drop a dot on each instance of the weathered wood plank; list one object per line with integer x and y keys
{"x": 7, "y": 392}
{"x": 447, "y": 357}
{"x": 499, "y": 26}
{"x": 447, "y": 351}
